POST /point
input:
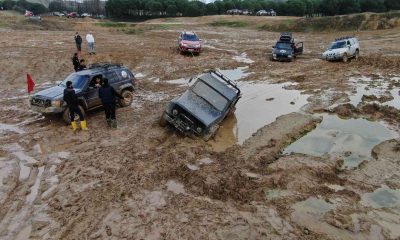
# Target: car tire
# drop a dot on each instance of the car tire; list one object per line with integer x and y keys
{"x": 357, "y": 55}
{"x": 210, "y": 134}
{"x": 162, "y": 122}
{"x": 66, "y": 117}
{"x": 345, "y": 58}
{"x": 127, "y": 95}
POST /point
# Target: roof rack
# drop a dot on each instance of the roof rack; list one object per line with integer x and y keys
{"x": 286, "y": 37}
{"x": 105, "y": 65}
{"x": 226, "y": 79}
{"x": 343, "y": 38}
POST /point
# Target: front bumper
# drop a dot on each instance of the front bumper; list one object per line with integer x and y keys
{"x": 190, "y": 49}
{"x": 332, "y": 57}
{"x": 47, "y": 110}
{"x": 181, "y": 122}
{"x": 281, "y": 57}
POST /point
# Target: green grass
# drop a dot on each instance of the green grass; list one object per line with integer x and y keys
{"x": 234, "y": 24}
{"x": 111, "y": 24}
{"x": 131, "y": 31}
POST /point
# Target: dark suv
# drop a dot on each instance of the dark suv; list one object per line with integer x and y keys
{"x": 50, "y": 100}
{"x": 286, "y": 49}
{"x": 200, "y": 110}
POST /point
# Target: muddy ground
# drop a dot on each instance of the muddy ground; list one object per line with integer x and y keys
{"x": 142, "y": 181}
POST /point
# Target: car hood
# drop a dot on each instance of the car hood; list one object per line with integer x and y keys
{"x": 190, "y": 42}
{"x": 337, "y": 50}
{"x": 198, "y": 108}
{"x": 282, "y": 51}
{"x": 53, "y": 93}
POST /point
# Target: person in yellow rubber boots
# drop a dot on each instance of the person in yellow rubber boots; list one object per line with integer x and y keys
{"x": 73, "y": 104}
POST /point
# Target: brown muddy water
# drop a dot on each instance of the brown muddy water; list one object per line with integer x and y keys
{"x": 349, "y": 139}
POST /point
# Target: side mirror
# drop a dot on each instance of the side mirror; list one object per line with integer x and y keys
{"x": 273, "y": 47}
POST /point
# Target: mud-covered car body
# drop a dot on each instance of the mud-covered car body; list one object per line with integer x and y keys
{"x": 189, "y": 42}
{"x": 200, "y": 109}
{"x": 50, "y": 101}
{"x": 342, "y": 49}
{"x": 286, "y": 49}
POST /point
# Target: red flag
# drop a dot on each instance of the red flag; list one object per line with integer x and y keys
{"x": 31, "y": 83}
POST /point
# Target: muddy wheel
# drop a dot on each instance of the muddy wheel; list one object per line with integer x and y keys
{"x": 210, "y": 134}
{"x": 66, "y": 117}
{"x": 345, "y": 58}
{"x": 357, "y": 55}
{"x": 162, "y": 122}
{"x": 128, "y": 98}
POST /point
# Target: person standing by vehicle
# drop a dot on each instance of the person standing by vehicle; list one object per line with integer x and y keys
{"x": 78, "y": 42}
{"x": 107, "y": 95}
{"x": 72, "y": 102}
{"x": 82, "y": 65}
{"x": 75, "y": 62}
{"x": 90, "y": 41}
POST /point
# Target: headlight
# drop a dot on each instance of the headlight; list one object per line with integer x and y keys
{"x": 56, "y": 103}
{"x": 274, "y": 55}
{"x": 175, "y": 112}
{"x": 199, "y": 129}
{"x": 184, "y": 45}
{"x": 289, "y": 56}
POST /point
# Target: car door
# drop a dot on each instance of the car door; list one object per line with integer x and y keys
{"x": 113, "y": 79}
{"x": 299, "y": 48}
{"x": 92, "y": 93}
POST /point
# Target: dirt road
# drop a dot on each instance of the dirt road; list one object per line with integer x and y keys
{"x": 258, "y": 179}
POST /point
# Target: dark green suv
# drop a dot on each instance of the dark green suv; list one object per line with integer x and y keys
{"x": 50, "y": 101}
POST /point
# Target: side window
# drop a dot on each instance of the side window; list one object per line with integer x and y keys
{"x": 123, "y": 74}
{"x": 348, "y": 43}
{"x": 112, "y": 77}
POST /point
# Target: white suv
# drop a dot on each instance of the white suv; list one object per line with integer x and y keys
{"x": 343, "y": 49}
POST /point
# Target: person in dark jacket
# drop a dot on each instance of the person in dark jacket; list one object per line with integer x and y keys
{"x": 73, "y": 104}
{"x": 75, "y": 62}
{"x": 82, "y": 65}
{"x": 108, "y": 96}
{"x": 78, "y": 42}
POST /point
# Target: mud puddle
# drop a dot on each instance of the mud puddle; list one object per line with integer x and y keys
{"x": 383, "y": 197}
{"x": 351, "y": 140}
{"x": 260, "y": 105}
{"x": 381, "y": 91}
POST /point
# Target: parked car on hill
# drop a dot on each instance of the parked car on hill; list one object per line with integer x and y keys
{"x": 189, "y": 42}
{"x": 286, "y": 49}
{"x": 234, "y": 12}
{"x": 72, "y": 15}
{"x": 50, "y": 101}
{"x": 86, "y": 15}
{"x": 343, "y": 49}
{"x": 28, "y": 13}
{"x": 200, "y": 110}
{"x": 58, "y": 14}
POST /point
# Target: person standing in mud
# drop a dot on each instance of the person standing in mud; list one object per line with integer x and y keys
{"x": 90, "y": 41}
{"x": 73, "y": 104}
{"x": 82, "y": 65}
{"x": 75, "y": 62}
{"x": 108, "y": 96}
{"x": 78, "y": 42}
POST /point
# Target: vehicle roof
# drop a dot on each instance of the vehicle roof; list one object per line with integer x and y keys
{"x": 96, "y": 70}
{"x": 188, "y": 33}
{"x": 219, "y": 85}
{"x": 345, "y": 38}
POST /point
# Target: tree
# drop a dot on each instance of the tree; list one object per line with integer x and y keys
{"x": 296, "y": 7}
{"x": 211, "y": 9}
{"x": 172, "y": 10}
{"x": 392, "y": 4}
{"x": 56, "y": 6}
{"x": 348, "y": 6}
{"x": 372, "y": 5}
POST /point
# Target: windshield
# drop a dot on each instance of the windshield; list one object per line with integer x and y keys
{"x": 337, "y": 45}
{"x": 282, "y": 45}
{"x": 210, "y": 95}
{"x": 190, "y": 37}
{"x": 78, "y": 81}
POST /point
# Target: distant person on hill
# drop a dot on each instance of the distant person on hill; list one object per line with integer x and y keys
{"x": 78, "y": 42}
{"x": 75, "y": 62}
{"x": 90, "y": 41}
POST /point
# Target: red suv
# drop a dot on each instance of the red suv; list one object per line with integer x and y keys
{"x": 72, "y": 15}
{"x": 189, "y": 42}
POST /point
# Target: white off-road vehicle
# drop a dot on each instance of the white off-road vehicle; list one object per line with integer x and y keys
{"x": 343, "y": 49}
